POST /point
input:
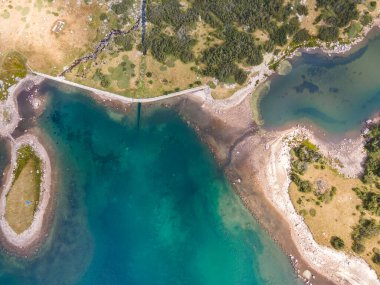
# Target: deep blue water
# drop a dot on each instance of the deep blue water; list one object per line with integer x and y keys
{"x": 336, "y": 94}
{"x": 143, "y": 205}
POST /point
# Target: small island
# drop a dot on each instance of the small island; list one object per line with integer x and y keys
{"x": 26, "y": 193}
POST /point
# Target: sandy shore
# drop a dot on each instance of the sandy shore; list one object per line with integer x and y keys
{"x": 34, "y": 232}
{"x": 337, "y": 266}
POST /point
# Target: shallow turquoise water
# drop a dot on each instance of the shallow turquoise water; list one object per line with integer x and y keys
{"x": 336, "y": 94}
{"x": 142, "y": 205}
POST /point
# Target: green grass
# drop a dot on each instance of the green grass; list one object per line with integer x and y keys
{"x": 309, "y": 145}
{"x": 354, "y": 29}
{"x": 23, "y": 198}
{"x": 12, "y": 67}
{"x": 24, "y": 154}
{"x": 122, "y": 73}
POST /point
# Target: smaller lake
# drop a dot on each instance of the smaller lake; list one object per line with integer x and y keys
{"x": 337, "y": 94}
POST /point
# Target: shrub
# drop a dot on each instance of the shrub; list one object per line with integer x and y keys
{"x": 376, "y": 258}
{"x": 105, "y": 82}
{"x": 295, "y": 178}
{"x": 327, "y": 196}
{"x": 312, "y": 212}
{"x": 124, "y": 41}
{"x": 299, "y": 166}
{"x": 305, "y": 186}
{"x": 365, "y": 19}
{"x": 279, "y": 35}
{"x": 341, "y": 12}
{"x": 307, "y": 153}
{"x": 370, "y": 200}
{"x": 103, "y": 16}
{"x": 366, "y": 228}
{"x": 337, "y": 242}
{"x": 240, "y": 76}
{"x": 121, "y": 8}
{"x": 292, "y": 26}
{"x": 358, "y": 247}
{"x": 302, "y": 10}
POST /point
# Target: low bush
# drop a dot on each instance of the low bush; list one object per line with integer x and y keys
{"x": 337, "y": 242}
{"x": 358, "y": 247}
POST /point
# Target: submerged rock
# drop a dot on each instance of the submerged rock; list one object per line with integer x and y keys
{"x": 284, "y": 68}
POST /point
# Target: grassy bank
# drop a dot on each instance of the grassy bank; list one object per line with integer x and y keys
{"x": 23, "y": 197}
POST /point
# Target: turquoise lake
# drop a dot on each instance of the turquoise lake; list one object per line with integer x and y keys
{"x": 149, "y": 205}
{"x": 142, "y": 205}
{"x": 336, "y": 94}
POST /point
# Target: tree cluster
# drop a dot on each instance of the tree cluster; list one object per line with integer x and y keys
{"x": 220, "y": 61}
{"x": 104, "y": 81}
{"x": 338, "y": 13}
{"x": 370, "y": 200}
{"x": 125, "y": 42}
{"x": 304, "y": 186}
{"x": 366, "y": 228}
{"x": 327, "y": 196}
{"x": 372, "y": 164}
{"x": 233, "y": 21}
{"x": 122, "y": 7}
{"x": 328, "y": 33}
{"x": 162, "y": 46}
{"x": 301, "y": 36}
{"x": 307, "y": 152}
